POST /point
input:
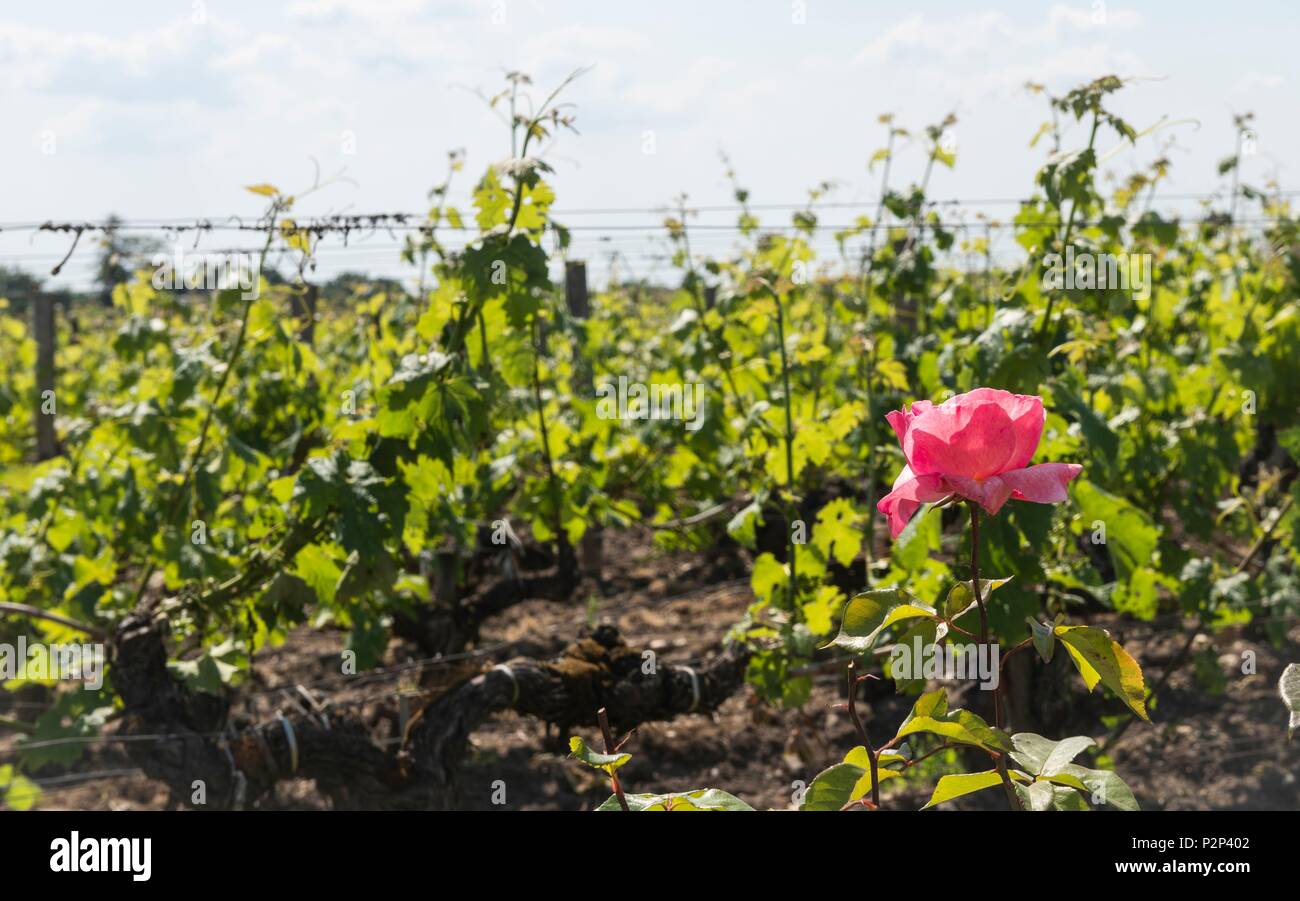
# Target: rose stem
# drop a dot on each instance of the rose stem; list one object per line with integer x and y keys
{"x": 608, "y": 736}
{"x": 999, "y": 759}
{"x": 862, "y": 733}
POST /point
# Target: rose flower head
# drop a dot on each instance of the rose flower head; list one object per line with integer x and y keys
{"x": 976, "y": 445}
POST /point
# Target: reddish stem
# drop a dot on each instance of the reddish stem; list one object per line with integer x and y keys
{"x": 610, "y": 748}
{"x": 866, "y": 741}
{"x": 999, "y": 760}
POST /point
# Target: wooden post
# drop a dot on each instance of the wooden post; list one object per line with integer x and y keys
{"x": 444, "y": 586}
{"x": 575, "y": 289}
{"x": 592, "y": 551}
{"x": 47, "y": 445}
{"x": 304, "y": 308}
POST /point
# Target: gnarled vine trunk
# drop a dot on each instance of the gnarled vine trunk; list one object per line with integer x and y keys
{"x": 237, "y": 767}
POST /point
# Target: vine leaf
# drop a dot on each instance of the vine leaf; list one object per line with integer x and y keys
{"x": 17, "y": 791}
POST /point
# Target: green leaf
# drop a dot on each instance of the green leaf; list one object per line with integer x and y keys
{"x": 950, "y": 787}
{"x": 832, "y": 788}
{"x": 1037, "y": 795}
{"x": 836, "y": 534}
{"x": 206, "y": 673}
{"x": 1044, "y": 639}
{"x": 1100, "y": 658}
{"x": 1130, "y": 536}
{"x": 607, "y": 762}
{"x": 1096, "y": 432}
{"x": 819, "y": 613}
{"x": 849, "y": 780}
{"x": 961, "y": 597}
{"x": 1106, "y": 786}
{"x": 743, "y": 525}
{"x": 1289, "y": 688}
{"x": 920, "y": 537}
{"x": 61, "y": 535}
{"x": 932, "y": 703}
{"x": 858, "y": 757}
{"x": 1067, "y": 780}
{"x": 700, "y": 799}
{"x": 958, "y": 725}
{"x": 1067, "y": 799}
{"x": 1138, "y": 597}
{"x": 19, "y": 792}
{"x": 1044, "y": 757}
{"x": 769, "y": 575}
{"x": 929, "y": 632}
{"x": 871, "y": 612}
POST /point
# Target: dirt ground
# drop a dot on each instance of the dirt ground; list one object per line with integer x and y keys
{"x": 1216, "y": 742}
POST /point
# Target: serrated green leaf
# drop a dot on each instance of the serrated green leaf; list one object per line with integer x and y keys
{"x": 960, "y": 726}
{"x": 871, "y": 612}
{"x": 837, "y": 534}
{"x": 1100, "y": 658}
{"x": 950, "y": 787}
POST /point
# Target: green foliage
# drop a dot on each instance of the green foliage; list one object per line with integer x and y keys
{"x": 607, "y": 763}
{"x": 324, "y": 475}
{"x": 701, "y": 799}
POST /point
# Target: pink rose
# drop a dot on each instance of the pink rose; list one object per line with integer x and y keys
{"x": 977, "y": 445}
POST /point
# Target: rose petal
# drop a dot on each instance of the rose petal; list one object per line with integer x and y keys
{"x": 901, "y": 419}
{"x": 910, "y": 492}
{"x": 1042, "y": 484}
{"x": 974, "y": 441}
{"x": 989, "y": 493}
{"x": 1027, "y": 418}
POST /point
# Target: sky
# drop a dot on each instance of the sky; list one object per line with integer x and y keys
{"x": 165, "y": 110}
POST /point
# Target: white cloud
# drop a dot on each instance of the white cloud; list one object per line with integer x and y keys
{"x": 372, "y": 11}
{"x": 986, "y": 32}
{"x": 685, "y": 91}
{"x": 1252, "y": 82}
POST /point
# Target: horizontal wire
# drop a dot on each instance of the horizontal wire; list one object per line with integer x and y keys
{"x": 325, "y": 227}
{"x": 71, "y": 780}
{"x": 671, "y": 208}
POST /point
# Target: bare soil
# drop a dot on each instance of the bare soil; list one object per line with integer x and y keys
{"x": 1210, "y": 746}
